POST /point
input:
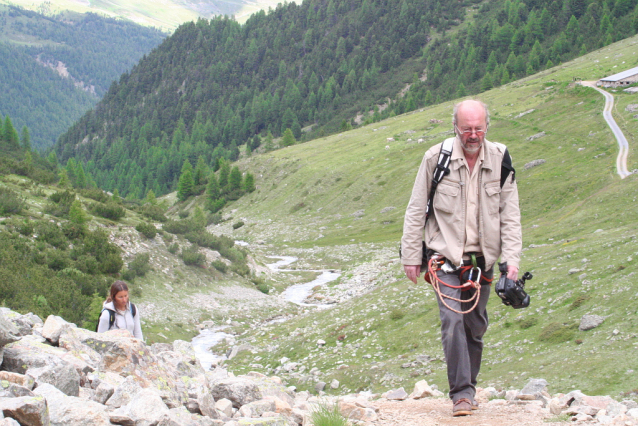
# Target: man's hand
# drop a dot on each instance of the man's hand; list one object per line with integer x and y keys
{"x": 512, "y": 272}
{"x": 412, "y": 272}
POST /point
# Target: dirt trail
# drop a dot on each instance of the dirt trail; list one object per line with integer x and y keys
{"x": 438, "y": 412}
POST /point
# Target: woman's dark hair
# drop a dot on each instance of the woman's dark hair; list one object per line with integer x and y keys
{"x": 116, "y": 287}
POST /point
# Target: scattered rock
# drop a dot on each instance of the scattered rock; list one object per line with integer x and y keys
{"x": 536, "y": 136}
{"x": 587, "y": 322}
{"x": 397, "y": 394}
{"x": 533, "y": 389}
{"x": 631, "y": 108}
{"x": 421, "y": 390}
{"x": 529, "y": 111}
{"x": 533, "y": 163}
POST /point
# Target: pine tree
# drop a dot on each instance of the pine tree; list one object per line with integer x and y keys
{"x": 224, "y": 172}
{"x": 64, "y": 181}
{"x": 234, "y": 181}
{"x": 289, "y": 138}
{"x": 52, "y": 159}
{"x": 81, "y": 181}
{"x": 186, "y": 182}
{"x": 201, "y": 170}
{"x": 77, "y": 214}
{"x": 150, "y": 198}
{"x": 249, "y": 183}
{"x": 10, "y": 134}
{"x": 486, "y": 83}
{"x": 25, "y": 140}
{"x": 213, "y": 191}
{"x": 268, "y": 144}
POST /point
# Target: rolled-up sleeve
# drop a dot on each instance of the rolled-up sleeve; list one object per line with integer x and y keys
{"x": 511, "y": 233}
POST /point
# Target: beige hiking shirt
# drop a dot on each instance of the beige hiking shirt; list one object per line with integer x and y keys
{"x": 499, "y": 224}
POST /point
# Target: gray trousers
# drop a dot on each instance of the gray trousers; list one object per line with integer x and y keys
{"x": 462, "y": 336}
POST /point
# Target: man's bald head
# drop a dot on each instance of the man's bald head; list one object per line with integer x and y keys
{"x": 471, "y": 107}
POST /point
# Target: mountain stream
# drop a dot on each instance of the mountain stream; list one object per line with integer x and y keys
{"x": 296, "y": 294}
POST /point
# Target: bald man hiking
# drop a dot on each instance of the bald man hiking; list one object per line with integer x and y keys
{"x": 472, "y": 219}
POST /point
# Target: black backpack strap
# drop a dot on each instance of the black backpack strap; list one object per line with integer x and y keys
{"x": 133, "y": 309}
{"x": 507, "y": 168}
{"x": 442, "y": 169}
{"x": 111, "y": 318}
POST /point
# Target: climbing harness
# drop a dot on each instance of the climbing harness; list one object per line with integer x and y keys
{"x": 473, "y": 281}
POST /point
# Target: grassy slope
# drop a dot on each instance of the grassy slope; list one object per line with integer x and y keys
{"x": 577, "y": 214}
{"x": 165, "y": 14}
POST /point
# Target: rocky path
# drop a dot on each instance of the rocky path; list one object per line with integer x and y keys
{"x": 438, "y": 412}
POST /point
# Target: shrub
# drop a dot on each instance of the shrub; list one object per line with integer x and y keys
{"x": 111, "y": 264}
{"x": 10, "y": 202}
{"x": 57, "y": 260}
{"x": 238, "y": 225}
{"x": 110, "y": 210}
{"x": 140, "y": 264}
{"x": 220, "y": 266}
{"x": 327, "y": 413}
{"x": 263, "y": 288}
{"x": 240, "y": 269}
{"x": 528, "y": 323}
{"x": 173, "y": 248}
{"x": 558, "y": 333}
{"x": 52, "y": 234}
{"x": 193, "y": 257}
{"x": 146, "y": 229}
{"x": 153, "y": 212}
{"x": 95, "y": 194}
{"x": 297, "y": 207}
{"x": 61, "y": 203}
{"x": 73, "y": 230}
{"x": 183, "y": 214}
{"x": 128, "y": 275}
{"x": 578, "y": 302}
{"x": 214, "y": 219}
{"x": 396, "y": 314}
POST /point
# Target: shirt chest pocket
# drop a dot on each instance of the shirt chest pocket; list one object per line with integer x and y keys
{"x": 447, "y": 198}
{"x": 493, "y": 197}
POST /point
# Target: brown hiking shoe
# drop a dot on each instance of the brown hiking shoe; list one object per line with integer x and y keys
{"x": 462, "y": 407}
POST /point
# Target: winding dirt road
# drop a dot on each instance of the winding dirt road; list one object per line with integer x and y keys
{"x": 621, "y": 160}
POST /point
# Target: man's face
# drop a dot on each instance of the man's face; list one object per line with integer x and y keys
{"x": 471, "y": 126}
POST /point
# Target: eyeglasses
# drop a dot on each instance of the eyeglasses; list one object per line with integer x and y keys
{"x": 467, "y": 132}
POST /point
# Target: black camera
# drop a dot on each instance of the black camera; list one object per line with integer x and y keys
{"x": 512, "y": 293}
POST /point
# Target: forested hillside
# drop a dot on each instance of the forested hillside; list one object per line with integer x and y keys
{"x": 214, "y": 85}
{"x": 58, "y": 236}
{"x": 55, "y": 68}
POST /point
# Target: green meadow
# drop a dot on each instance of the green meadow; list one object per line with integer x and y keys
{"x": 339, "y": 201}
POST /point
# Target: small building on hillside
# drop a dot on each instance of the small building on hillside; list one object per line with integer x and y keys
{"x": 624, "y": 78}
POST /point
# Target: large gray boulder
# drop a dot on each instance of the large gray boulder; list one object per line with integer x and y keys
{"x": 72, "y": 411}
{"x": 239, "y": 390}
{"x": 533, "y": 389}
{"x": 8, "y": 331}
{"x": 182, "y": 417}
{"x": 146, "y": 408}
{"x": 27, "y": 410}
{"x": 53, "y": 328}
{"x": 118, "y": 352}
{"x": 124, "y": 393}
{"x": 587, "y": 322}
{"x": 42, "y": 362}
